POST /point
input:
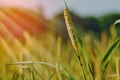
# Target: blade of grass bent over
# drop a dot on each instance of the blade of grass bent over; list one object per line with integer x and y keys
{"x": 116, "y": 22}
{"x": 113, "y": 47}
{"x": 109, "y": 53}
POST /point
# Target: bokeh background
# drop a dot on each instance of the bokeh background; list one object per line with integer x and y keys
{"x": 34, "y": 38}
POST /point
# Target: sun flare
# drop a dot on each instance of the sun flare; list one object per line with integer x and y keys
{"x": 17, "y": 20}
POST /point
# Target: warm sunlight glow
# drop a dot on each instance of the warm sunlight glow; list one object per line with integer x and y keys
{"x": 17, "y": 20}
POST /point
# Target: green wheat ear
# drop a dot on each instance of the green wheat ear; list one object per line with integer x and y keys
{"x": 110, "y": 51}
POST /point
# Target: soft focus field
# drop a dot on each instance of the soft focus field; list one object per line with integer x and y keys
{"x": 49, "y": 57}
{"x": 46, "y": 56}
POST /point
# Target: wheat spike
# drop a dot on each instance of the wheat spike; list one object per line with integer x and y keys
{"x": 70, "y": 25}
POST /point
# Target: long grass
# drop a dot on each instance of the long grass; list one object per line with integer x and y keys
{"x": 46, "y": 57}
{"x": 101, "y": 58}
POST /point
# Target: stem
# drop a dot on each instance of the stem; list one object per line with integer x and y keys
{"x": 81, "y": 65}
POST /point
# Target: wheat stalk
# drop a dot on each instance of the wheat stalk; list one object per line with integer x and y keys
{"x": 71, "y": 31}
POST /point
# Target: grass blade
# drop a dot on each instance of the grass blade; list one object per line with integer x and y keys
{"x": 51, "y": 76}
{"x": 113, "y": 47}
{"x": 67, "y": 75}
{"x": 16, "y": 75}
{"x": 109, "y": 53}
{"x": 32, "y": 75}
{"x": 116, "y": 22}
{"x": 84, "y": 54}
